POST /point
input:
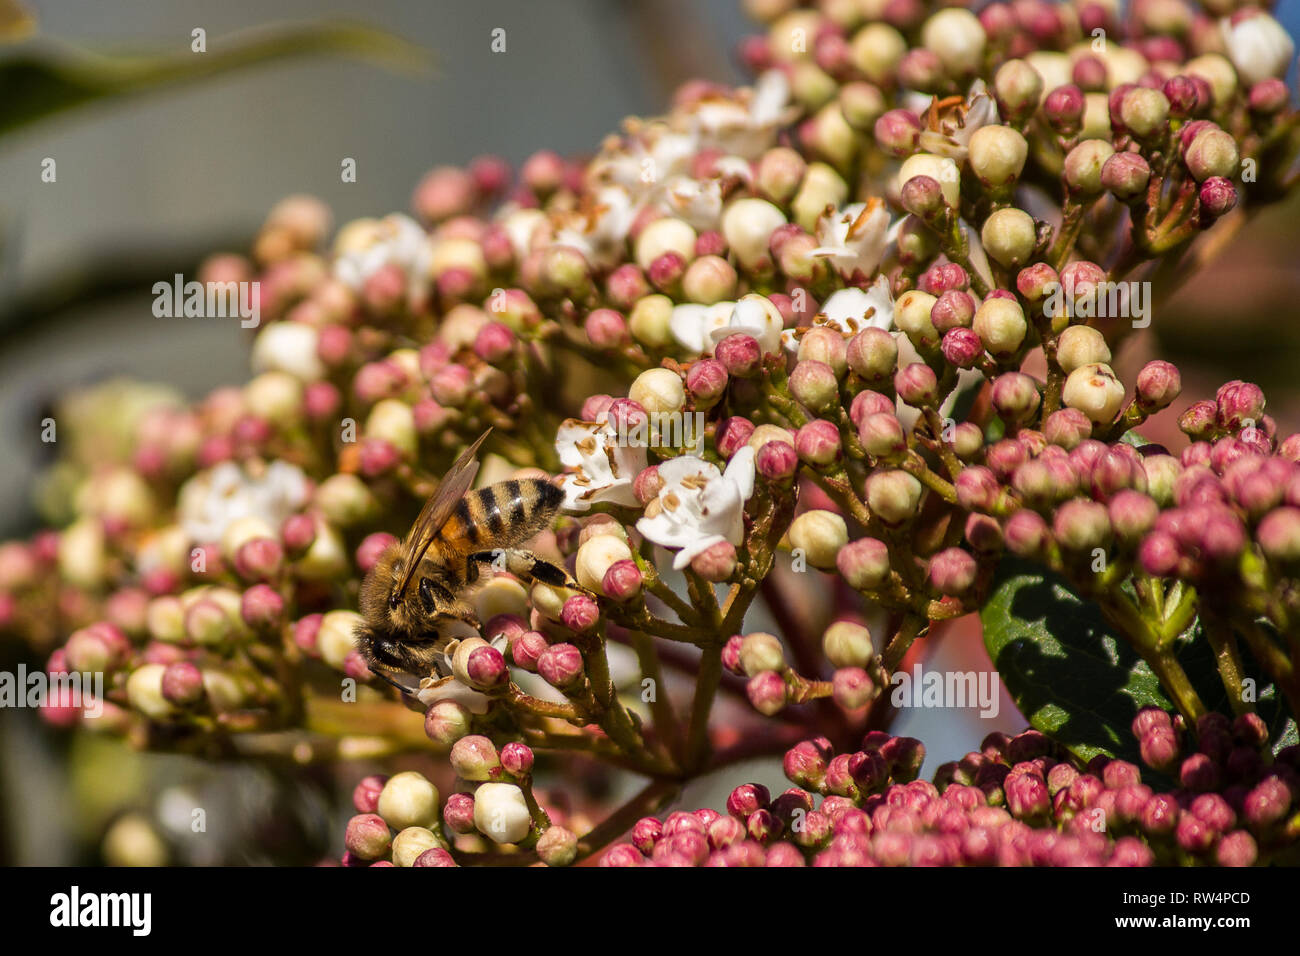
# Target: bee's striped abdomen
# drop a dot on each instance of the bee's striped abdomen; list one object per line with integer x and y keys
{"x": 501, "y": 515}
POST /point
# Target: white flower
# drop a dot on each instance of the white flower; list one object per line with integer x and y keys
{"x": 855, "y": 237}
{"x": 699, "y": 506}
{"x": 947, "y": 128}
{"x": 288, "y": 347}
{"x": 213, "y": 500}
{"x": 1258, "y": 47}
{"x": 849, "y": 311}
{"x": 605, "y": 462}
{"x": 394, "y": 240}
{"x": 696, "y": 202}
{"x": 745, "y": 125}
{"x": 600, "y": 230}
{"x": 754, "y": 315}
{"x": 692, "y": 324}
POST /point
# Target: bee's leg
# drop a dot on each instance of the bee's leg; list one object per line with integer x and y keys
{"x": 436, "y": 598}
{"x": 527, "y": 566}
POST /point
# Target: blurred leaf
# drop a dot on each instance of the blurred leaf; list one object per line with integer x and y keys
{"x": 40, "y": 80}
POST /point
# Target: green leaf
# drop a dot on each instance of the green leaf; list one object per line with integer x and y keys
{"x": 1069, "y": 674}
{"x": 1076, "y": 680}
{"x": 41, "y": 79}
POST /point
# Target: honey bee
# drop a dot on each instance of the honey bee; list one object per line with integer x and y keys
{"x": 412, "y": 600}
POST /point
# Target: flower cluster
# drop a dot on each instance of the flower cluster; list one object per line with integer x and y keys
{"x": 858, "y": 322}
{"x": 1011, "y": 803}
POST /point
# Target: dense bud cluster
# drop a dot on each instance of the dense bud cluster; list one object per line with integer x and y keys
{"x": 856, "y": 322}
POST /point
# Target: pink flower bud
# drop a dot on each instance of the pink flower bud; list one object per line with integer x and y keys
{"x": 446, "y": 722}
{"x": 182, "y": 684}
{"x": 717, "y": 562}
{"x": 1218, "y": 196}
{"x": 864, "y": 563}
{"x": 732, "y": 435}
{"x": 561, "y": 665}
{"x": 494, "y": 342}
{"x": 451, "y": 385}
{"x": 486, "y": 668}
{"x": 580, "y": 613}
{"x": 261, "y": 607}
{"x": 916, "y": 384}
{"x": 259, "y": 559}
{"x": 1063, "y": 109}
{"x": 739, "y": 354}
{"x": 851, "y": 688}
{"x": 777, "y": 460}
{"x": 766, "y": 692}
{"x": 367, "y": 836}
{"x": 517, "y": 758}
{"x": 952, "y": 572}
{"x": 435, "y": 856}
{"x": 897, "y": 132}
{"x": 365, "y": 796}
{"x": 818, "y": 442}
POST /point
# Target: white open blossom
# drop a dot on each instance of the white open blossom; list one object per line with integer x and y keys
{"x": 604, "y": 464}
{"x": 366, "y": 247}
{"x": 599, "y": 231}
{"x": 745, "y": 125}
{"x": 849, "y": 311}
{"x": 1258, "y": 46}
{"x": 692, "y": 324}
{"x": 948, "y": 126}
{"x": 212, "y": 500}
{"x": 854, "y": 238}
{"x": 699, "y": 506}
{"x": 753, "y": 315}
{"x": 697, "y": 202}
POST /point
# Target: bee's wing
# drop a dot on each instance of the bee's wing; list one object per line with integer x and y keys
{"x": 455, "y": 483}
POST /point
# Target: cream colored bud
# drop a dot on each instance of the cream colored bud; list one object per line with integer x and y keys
{"x": 1001, "y": 326}
{"x": 408, "y": 800}
{"x": 393, "y": 422}
{"x": 822, "y": 186}
{"x": 1081, "y": 345}
{"x": 650, "y": 321}
{"x": 411, "y": 842}
{"x": 1096, "y": 391}
{"x": 819, "y": 535}
{"x": 939, "y": 168}
{"x": 876, "y": 50}
{"x": 847, "y": 645}
{"x": 595, "y": 557}
{"x": 997, "y": 154}
{"x": 668, "y": 234}
{"x": 957, "y": 38}
{"x": 658, "y": 390}
{"x": 1009, "y": 237}
{"x": 760, "y": 652}
{"x": 747, "y": 225}
{"x": 501, "y": 813}
{"x": 144, "y": 691}
{"x": 337, "y": 636}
